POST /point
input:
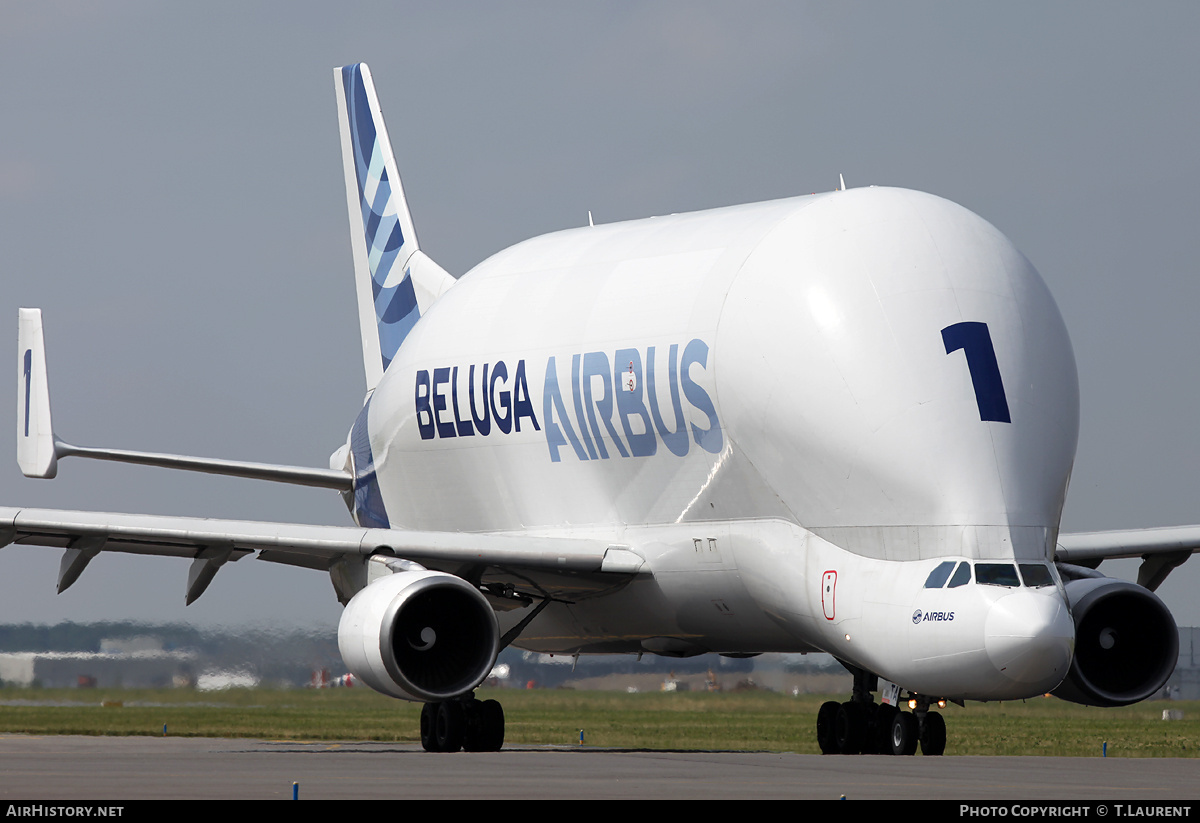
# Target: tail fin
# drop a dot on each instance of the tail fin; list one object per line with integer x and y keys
{"x": 35, "y": 433}
{"x": 396, "y": 282}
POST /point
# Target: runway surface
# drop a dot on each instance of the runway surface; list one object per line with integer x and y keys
{"x": 131, "y": 768}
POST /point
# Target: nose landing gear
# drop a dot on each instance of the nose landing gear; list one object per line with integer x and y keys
{"x": 861, "y": 726}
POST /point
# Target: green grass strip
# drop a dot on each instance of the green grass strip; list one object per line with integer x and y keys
{"x": 759, "y": 721}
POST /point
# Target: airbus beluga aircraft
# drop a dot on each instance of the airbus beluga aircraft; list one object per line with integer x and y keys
{"x": 839, "y": 423}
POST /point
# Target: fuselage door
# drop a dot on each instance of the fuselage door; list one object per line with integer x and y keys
{"x": 828, "y": 588}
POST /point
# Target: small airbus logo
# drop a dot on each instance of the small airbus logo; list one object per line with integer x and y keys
{"x": 936, "y": 617}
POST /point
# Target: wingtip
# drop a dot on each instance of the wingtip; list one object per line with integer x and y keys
{"x": 36, "y": 444}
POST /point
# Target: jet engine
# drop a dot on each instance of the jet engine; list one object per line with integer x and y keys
{"x": 1126, "y": 643}
{"x": 419, "y": 635}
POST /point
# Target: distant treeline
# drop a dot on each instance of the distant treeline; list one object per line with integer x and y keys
{"x": 86, "y": 637}
{"x": 289, "y": 653}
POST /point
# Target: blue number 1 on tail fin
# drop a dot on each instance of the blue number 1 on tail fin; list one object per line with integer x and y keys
{"x": 395, "y": 281}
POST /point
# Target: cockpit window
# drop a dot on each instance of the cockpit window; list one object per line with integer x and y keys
{"x": 1035, "y": 575}
{"x": 962, "y": 576}
{"x": 996, "y": 574}
{"x": 937, "y": 577}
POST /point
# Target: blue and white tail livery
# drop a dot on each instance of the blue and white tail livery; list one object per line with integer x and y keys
{"x": 396, "y": 282}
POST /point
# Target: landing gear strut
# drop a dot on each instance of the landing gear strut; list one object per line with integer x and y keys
{"x": 464, "y": 723}
{"x": 861, "y": 726}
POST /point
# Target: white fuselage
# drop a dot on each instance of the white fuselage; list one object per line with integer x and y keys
{"x": 830, "y": 396}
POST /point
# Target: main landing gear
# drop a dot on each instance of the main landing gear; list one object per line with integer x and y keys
{"x": 861, "y": 726}
{"x": 463, "y": 723}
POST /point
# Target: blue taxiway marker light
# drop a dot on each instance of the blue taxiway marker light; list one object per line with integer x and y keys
{"x": 295, "y": 791}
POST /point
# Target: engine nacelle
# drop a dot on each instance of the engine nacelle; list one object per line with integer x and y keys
{"x": 419, "y": 635}
{"x": 1126, "y": 643}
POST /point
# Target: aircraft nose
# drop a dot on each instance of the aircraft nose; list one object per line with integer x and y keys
{"x": 1029, "y": 638}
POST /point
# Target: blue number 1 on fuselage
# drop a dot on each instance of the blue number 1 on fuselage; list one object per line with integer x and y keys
{"x": 976, "y": 343}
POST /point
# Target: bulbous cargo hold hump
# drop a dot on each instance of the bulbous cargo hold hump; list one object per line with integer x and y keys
{"x": 887, "y": 359}
{"x": 867, "y": 358}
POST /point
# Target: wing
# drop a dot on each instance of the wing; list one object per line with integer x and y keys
{"x": 564, "y": 568}
{"x": 1161, "y": 549}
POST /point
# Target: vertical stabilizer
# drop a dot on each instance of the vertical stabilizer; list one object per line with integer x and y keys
{"x": 395, "y": 281}
{"x": 35, "y": 432}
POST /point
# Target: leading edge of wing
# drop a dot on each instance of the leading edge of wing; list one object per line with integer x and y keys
{"x": 1108, "y": 545}
{"x": 304, "y": 545}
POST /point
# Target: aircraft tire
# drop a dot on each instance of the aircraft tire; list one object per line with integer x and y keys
{"x": 882, "y": 738}
{"x": 904, "y": 733}
{"x": 826, "y": 728}
{"x": 473, "y": 731}
{"x": 483, "y": 727}
{"x": 450, "y": 726}
{"x": 491, "y": 714}
{"x": 851, "y": 728}
{"x": 933, "y": 735}
{"x": 429, "y": 712}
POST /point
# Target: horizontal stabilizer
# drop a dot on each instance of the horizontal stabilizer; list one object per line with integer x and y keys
{"x": 296, "y": 475}
{"x": 38, "y": 448}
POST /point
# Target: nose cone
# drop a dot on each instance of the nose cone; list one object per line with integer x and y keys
{"x": 1029, "y": 638}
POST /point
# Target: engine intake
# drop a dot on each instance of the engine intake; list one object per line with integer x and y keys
{"x": 419, "y": 635}
{"x": 1126, "y": 643}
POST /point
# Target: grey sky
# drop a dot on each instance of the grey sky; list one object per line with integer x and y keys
{"x": 171, "y": 196}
